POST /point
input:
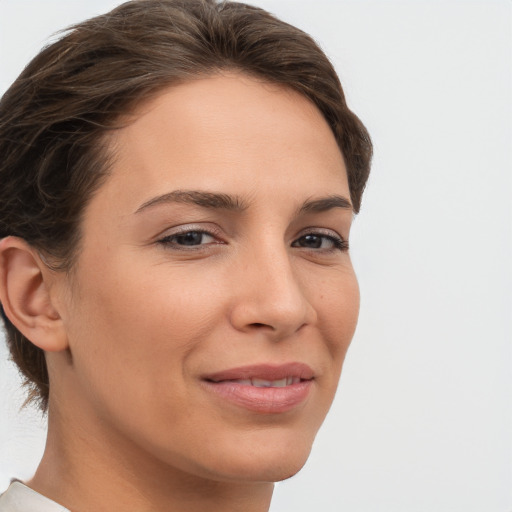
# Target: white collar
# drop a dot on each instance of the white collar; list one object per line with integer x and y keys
{"x": 20, "y": 498}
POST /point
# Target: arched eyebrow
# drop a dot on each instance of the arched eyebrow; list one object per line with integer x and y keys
{"x": 220, "y": 201}
{"x": 325, "y": 203}
{"x": 213, "y": 200}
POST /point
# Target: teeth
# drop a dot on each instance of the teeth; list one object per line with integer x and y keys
{"x": 263, "y": 383}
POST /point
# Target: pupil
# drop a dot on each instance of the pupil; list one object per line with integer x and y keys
{"x": 190, "y": 238}
{"x": 313, "y": 241}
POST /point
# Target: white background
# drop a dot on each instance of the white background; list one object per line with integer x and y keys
{"x": 423, "y": 417}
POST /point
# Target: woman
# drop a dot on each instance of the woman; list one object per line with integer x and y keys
{"x": 179, "y": 180}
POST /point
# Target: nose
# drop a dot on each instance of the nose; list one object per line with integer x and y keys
{"x": 270, "y": 298}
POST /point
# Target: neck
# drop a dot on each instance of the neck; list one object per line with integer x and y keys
{"x": 84, "y": 470}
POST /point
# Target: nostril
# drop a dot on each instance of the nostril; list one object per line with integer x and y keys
{"x": 259, "y": 325}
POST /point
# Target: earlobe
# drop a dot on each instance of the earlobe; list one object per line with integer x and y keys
{"x": 25, "y": 295}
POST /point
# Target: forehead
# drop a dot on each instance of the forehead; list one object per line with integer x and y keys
{"x": 228, "y": 132}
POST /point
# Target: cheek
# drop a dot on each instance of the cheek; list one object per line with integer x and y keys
{"x": 134, "y": 338}
{"x": 146, "y": 320}
{"x": 338, "y": 311}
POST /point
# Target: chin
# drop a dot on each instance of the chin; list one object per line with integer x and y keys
{"x": 259, "y": 462}
{"x": 285, "y": 471}
{"x": 269, "y": 471}
{"x": 278, "y": 470}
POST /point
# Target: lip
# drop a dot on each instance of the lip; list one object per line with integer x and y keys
{"x": 264, "y": 400}
{"x": 263, "y": 371}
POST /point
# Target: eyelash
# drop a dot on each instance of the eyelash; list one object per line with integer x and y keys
{"x": 169, "y": 241}
{"x": 338, "y": 243}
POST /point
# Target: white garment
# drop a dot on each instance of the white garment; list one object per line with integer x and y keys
{"x": 20, "y": 498}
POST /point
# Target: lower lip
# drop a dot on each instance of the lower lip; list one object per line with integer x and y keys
{"x": 262, "y": 400}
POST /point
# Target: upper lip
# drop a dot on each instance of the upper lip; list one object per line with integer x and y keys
{"x": 263, "y": 371}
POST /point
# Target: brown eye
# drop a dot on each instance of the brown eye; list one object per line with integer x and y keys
{"x": 320, "y": 242}
{"x": 188, "y": 239}
{"x": 310, "y": 241}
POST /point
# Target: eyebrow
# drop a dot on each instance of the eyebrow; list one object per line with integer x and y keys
{"x": 325, "y": 203}
{"x": 213, "y": 200}
{"x": 220, "y": 201}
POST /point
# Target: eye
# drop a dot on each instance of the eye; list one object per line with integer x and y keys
{"x": 320, "y": 241}
{"x": 190, "y": 238}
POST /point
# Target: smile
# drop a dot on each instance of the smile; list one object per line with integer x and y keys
{"x": 264, "y": 389}
{"x": 262, "y": 383}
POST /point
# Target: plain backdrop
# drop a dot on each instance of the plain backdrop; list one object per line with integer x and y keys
{"x": 422, "y": 421}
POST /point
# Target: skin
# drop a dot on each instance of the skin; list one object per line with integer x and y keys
{"x": 131, "y": 332}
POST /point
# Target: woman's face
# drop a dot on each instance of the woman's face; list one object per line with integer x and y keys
{"x": 214, "y": 299}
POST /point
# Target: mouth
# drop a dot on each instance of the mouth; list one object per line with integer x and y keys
{"x": 265, "y": 389}
{"x": 264, "y": 383}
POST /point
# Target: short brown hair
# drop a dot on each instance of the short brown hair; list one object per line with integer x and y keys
{"x": 54, "y": 117}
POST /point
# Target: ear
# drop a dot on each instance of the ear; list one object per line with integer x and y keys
{"x": 25, "y": 285}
